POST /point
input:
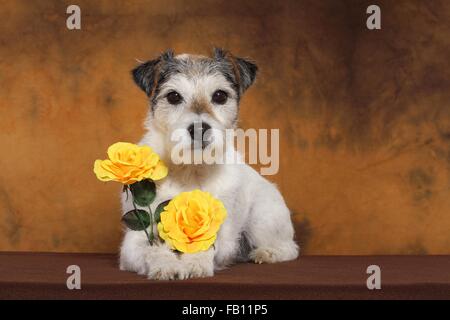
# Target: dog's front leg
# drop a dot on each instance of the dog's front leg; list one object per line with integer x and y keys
{"x": 159, "y": 262}
{"x": 156, "y": 261}
{"x": 270, "y": 230}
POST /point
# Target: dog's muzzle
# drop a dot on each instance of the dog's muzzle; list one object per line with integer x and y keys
{"x": 200, "y": 134}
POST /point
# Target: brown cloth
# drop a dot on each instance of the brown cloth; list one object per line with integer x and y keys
{"x": 43, "y": 276}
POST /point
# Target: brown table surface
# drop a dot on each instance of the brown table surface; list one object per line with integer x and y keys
{"x": 43, "y": 276}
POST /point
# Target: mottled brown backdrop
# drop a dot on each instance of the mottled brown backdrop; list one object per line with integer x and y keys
{"x": 364, "y": 116}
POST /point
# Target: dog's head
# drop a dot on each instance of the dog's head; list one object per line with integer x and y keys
{"x": 195, "y": 96}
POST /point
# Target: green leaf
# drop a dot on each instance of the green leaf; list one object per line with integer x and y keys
{"x": 136, "y": 220}
{"x": 143, "y": 192}
{"x": 159, "y": 209}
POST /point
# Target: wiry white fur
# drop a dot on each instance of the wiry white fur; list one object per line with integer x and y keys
{"x": 255, "y": 207}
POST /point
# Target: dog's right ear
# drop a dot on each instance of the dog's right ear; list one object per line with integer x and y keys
{"x": 146, "y": 74}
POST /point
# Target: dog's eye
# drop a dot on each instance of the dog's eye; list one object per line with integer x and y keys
{"x": 220, "y": 97}
{"x": 174, "y": 97}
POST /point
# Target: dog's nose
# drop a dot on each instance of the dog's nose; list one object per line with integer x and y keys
{"x": 198, "y": 129}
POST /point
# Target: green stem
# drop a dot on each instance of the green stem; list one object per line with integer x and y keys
{"x": 152, "y": 236}
{"x": 142, "y": 223}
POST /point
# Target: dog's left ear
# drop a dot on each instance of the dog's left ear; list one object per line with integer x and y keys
{"x": 245, "y": 70}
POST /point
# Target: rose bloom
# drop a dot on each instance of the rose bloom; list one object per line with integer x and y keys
{"x": 191, "y": 220}
{"x": 129, "y": 163}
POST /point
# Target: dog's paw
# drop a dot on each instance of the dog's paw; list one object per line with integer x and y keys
{"x": 264, "y": 255}
{"x": 164, "y": 264}
{"x": 200, "y": 265}
{"x": 168, "y": 271}
{"x": 285, "y": 251}
{"x": 178, "y": 270}
{"x": 138, "y": 266}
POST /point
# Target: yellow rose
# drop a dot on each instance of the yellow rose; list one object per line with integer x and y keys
{"x": 129, "y": 163}
{"x": 191, "y": 220}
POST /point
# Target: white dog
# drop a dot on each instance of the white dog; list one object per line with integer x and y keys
{"x": 185, "y": 91}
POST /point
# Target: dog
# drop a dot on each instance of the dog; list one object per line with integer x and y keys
{"x": 184, "y": 91}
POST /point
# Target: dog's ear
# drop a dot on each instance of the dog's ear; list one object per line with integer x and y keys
{"x": 245, "y": 70}
{"x": 248, "y": 72}
{"x": 146, "y": 74}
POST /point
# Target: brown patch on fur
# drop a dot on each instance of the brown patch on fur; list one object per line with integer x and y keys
{"x": 156, "y": 82}
{"x": 237, "y": 74}
{"x": 201, "y": 105}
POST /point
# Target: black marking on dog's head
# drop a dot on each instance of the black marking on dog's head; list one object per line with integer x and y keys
{"x": 144, "y": 75}
{"x": 149, "y": 75}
